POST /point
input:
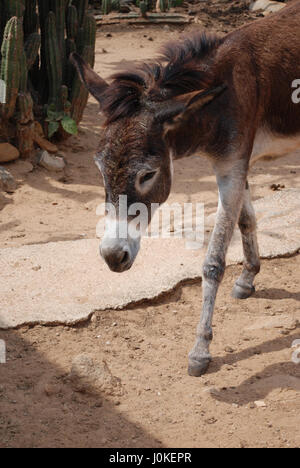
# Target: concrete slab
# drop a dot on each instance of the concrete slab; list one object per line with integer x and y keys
{"x": 65, "y": 282}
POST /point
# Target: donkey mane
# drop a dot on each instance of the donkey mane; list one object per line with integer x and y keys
{"x": 178, "y": 71}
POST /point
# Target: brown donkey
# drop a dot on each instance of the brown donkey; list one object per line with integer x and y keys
{"x": 232, "y": 98}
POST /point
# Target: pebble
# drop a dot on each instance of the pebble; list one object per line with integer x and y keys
{"x": 260, "y": 404}
{"x": 8, "y": 153}
{"x": 52, "y": 389}
{"x": 230, "y": 350}
{"x": 7, "y": 182}
{"x": 51, "y": 163}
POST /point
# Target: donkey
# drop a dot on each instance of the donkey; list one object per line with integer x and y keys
{"x": 227, "y": 97}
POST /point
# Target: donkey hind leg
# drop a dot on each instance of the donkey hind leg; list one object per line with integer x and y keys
{"x": 231, "y": 188}
{"x": 247, "y": 223}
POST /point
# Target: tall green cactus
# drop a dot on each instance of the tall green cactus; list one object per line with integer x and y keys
{"x": 42, "y": 87}
{"x": 82, "y": 6}
{"x": 79, "y": 94}
{"x": 10, "y": 65}
{"x": 143, "y": 8}
{"x": 72, "y": 22}
{"x": 32, "y": 46}
{"x": 14, "y": 8}
{"x": 163, "y": 5}
{"x": 106, "y": 6}
{"x": 53, "y": 58}
{"x": 30, "y": 18}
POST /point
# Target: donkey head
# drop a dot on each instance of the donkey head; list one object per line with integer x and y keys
{"x": 136, "y": 150}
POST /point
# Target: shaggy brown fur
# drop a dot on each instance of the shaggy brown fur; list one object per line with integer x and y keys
{"x": 224, "y": 97}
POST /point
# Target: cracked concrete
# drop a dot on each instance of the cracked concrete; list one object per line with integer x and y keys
{"x": 65, "y": 282}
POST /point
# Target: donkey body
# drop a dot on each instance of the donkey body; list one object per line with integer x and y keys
{"x": 230, "y": 98}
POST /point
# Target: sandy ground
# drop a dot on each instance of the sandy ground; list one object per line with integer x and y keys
{"x": 146, "y": 347}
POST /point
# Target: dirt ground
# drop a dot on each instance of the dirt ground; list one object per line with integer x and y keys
{"x": 147, "y": 346}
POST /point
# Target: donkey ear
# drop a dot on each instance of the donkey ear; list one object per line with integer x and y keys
{"x": 185, "y": 105}
{"x": 93, "y": 82}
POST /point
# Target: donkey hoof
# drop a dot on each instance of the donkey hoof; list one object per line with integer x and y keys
{"x": 198, "y": 368}
{"x": 242, "y": 292}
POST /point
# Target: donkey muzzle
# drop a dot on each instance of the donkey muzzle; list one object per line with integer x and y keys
{"x": 119, "y": 254}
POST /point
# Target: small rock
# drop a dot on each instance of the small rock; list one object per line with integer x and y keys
{"x": 7, "y": 182}
{"x": 267, "y": 6}
{"x": 51, "y": 163}
{"x": 229, "y": 350}
{"x": 89, "y": 376}
{"x": 293, "y": 325}
{"x": 260, "y": 404}
{"x": 51, "y": 390}
{"x": 150, "y": 39}
{"x": 211, "y": 420}
{"x": 277, "y": 187}
{"x": 124, "y": 8}
{"x": 8, "y": 153}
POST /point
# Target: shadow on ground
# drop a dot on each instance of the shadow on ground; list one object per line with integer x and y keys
{"x": 39, "y": 407}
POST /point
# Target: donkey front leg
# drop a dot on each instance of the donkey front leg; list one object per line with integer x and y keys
{"x": 247, "y": 223}
{"x": 231, "y": 184}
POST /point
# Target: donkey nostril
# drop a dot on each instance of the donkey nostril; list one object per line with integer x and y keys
{"x": 125, "y": 258}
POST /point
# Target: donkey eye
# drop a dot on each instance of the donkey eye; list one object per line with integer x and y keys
{"x": 145, "y": 178}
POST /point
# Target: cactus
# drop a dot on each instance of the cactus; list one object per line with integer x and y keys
{"x": 42, "y": 87}
{"x": 175, "y": 3}
{"x": 23, "y": 72}
{"x": 79, "y": 94}
{"x": 70, "y": 48}
{"x": 53, "y": 58}
{"x": 30, "y": 18}
{"x": 14, "y": 8}
{"x": 72, "y": 22}
{"x": 25, "y": 108}
{"x": 81, "y": 6}
{"x": 31, "y": 47}
{"x": 59, "y": 10}
{"x": 89, "y": 32}
{"x": 115, "y": 5}
{"x": 10, "y": 66}
{"x": 163, "y": 5}
{"x": 106, "y": 7}
{"x": 143, "y": 8}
